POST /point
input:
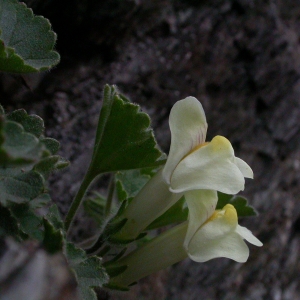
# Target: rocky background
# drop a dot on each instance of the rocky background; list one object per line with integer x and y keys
{"x": 241, "y": 59}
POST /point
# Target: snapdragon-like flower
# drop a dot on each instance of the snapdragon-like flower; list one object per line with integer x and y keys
{"x": 219, "y": 236}
{"x": 195, "y": 164}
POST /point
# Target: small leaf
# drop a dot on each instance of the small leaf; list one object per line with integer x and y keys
{"x": 129, "y": 183}
{"x": 114, "y": 271}
{"x": 49, "y": 164}
{"x": 51, "y": 144}
{"x": 53, "y": 238}
{"x": 95, "y": 207}
{"x": 17, "y": 186}
{"x": 54, "y": 217}
{"x": 175, "y": 214}
{"x": 89, "y": 271}
{"x": 124, "y": 139}
{"x": 31, "y": 123}
{"x": 18, "y": 146}
{"x": 26, "y": 41}
{"x": 240, "y": 204}
{"x": 117, "y": 287}
{"x": 40, "y": 201}
{"x": 28, "y": 221}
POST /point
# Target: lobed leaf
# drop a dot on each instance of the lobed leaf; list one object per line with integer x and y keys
{"x": 26, "y": 160}
{"x": 20, "y": 186}
{"x": 89, "y": 271}
{"x": 31, "y": 123}
{"x": 124, "y": 139}
{"x": 16, "y": 145}
{"x": 26, "y": 41}
{"x": 129, "y": 183}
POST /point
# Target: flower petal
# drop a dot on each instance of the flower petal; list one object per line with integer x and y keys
{"x": 244, "y": 168}
{"x": 188, "y": 130}
{"x": 248, "y": 236}
{"x": 231, "y": 246}
{"x": 217, "y": 238}
{"x": 211, "y": 167}
{"x": 201, "y": 204}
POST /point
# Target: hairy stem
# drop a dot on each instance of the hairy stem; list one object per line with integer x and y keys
{"x": 77, "y": 201}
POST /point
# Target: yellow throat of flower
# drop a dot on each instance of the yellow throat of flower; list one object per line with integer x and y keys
{"x": 228, "y": 213}
{"x": 196, "y": 148}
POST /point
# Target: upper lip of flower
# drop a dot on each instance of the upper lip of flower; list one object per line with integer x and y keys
{"x": 195, "y": 164}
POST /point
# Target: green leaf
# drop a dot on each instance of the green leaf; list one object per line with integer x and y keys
{"x": 89, "y": 271}
{"x": 53, "y": 238}
{"x": 129, "y": 183}
{"x": 49, "y": 164}
{"x": 26, "y": 41}
{"x": 31, "y": 123}
{"x": 26, "y": 161}
{"x": 19, "y": 186}
{"x": 51, "y": 144}
{"x": 95, "y": 208}
{"x": 175, "y": 214}
{"x": 29, "y": 222}
{"x": 124, "y": 139}
{"x": 16, "y": 145}
{"x": 114, "y": 271}
{"x": 54, "y": 217}
{"x": 240, "y": 204}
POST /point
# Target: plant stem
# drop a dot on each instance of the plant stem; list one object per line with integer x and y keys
{"x": 111, "y": 189}
{"x": 87, "y": 180}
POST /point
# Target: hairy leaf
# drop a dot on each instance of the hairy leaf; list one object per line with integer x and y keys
{"x": 26, "y": 41}
{"x": 19, "y": 186}
{"x": 31, "y": 123}
{"x": 129, "y": 183}
{"x": 89, "y": 271}
{"x": 26, "y": 159}
{"x": 16, "y": 145}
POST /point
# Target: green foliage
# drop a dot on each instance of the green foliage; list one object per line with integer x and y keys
{"x": 16, "y": 145}
{"x": 26, "y": 160}
{"x": 95, "y": 208}
{"x": 124, "y": 139}
{"x": 29, "y": 222}
{"x": 175, "y": 214}
{"x": 89, "y": 271}
{"x": 26, "y": 41}
{"x": 240, "y": 204}
{"x": 128, "y": 183}
{"x": 20, "y": 186}
{"x": 53, "y": 238}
